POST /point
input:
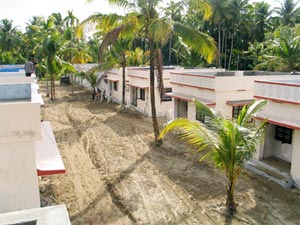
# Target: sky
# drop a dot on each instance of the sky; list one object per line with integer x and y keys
{"x": 22, "y": 11}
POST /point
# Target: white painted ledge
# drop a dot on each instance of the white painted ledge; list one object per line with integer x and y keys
{"x": 48, "y": 159}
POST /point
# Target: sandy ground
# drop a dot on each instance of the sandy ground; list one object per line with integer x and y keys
{"x": 114, "y": 175}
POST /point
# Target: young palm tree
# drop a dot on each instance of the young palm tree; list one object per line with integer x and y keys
{"x": 146, "y": 21}
{"x": 228, "y": 143}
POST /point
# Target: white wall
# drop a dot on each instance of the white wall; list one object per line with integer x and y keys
{"x": 19, "y": 182}
{"x": 276, "y": 148}
{"x": 295, "y": 168}
{"x": 20, "y": 122}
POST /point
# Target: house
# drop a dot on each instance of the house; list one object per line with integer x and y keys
{"x": 281, "y": 146}
{"x": 137, "y": 93}
{"x": 27, "y": 145}
{"x": 226, "y": 92}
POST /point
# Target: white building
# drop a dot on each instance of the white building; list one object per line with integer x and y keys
{"x": 27, "y": 145}
{"x": 281, "y": 146}
{"x": 137, "y": 93}
{"x": 226, "y": 92}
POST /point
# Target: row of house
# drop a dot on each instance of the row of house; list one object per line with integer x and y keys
{"x": 226, "y": 92}
{"x": 28, "y": 150}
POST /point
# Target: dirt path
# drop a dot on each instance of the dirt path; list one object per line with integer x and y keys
{"x": 115, "y": 176}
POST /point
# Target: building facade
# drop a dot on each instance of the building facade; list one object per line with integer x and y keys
{"x": 282, "y": 138}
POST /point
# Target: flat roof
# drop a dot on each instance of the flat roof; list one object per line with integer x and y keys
{"x": 190, "y": 98}
{"x": 229, "y": 73}
{"x": 289, "y": 81}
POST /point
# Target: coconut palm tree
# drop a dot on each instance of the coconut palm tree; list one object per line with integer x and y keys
{"x": 289, "y": 12}
{"x": 147, "y": 22}
{"x": 51, "y": 51}
{"x": 8, "y": 35}
{"x": 220, "y": 13}
{"x": 285, "y": 48}
{"x": 228, "y": 144}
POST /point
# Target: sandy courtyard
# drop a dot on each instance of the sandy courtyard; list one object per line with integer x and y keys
{"x": 114, "y": 175}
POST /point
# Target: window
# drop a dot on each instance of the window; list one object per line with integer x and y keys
{"x": 115, "y": 86}
{"x": 200, "y": 116}
{"x": 142, "y": 94}
{"x": 164, "y": 97}
{"x": 283, "y": 134}
{"x": 236, "y": 111}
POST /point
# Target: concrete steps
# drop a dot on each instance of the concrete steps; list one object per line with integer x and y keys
{"x": 270, "y": 173}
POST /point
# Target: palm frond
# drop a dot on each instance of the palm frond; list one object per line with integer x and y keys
{"x": 200, "y": 42}
{"x": 193, "y": 132}
{"x": 249, "y": 111}
{"x": 160, "y": 30}
{"x": 202, "y": 6}
{"x": 207, "y": 111}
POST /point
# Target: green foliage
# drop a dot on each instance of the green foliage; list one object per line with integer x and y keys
{"x": 228, "y": 144}
{"x": 90, "y": 76}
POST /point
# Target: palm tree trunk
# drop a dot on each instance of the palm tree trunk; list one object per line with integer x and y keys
{"x": 47, "y": 85}
{"x": 170, "y": 50}
{"x": 231, "y": 50}
{"x": 225, "y": 61}
{"x": 219, "y": 44}
{"x": 230, "y": 198}
{"x": 123, "y": 81}
{"x": 152, "y": 91}
{"x": 72, "y": 75}
{"x": 223, "y": 47}
{"x": 51, "y": 87}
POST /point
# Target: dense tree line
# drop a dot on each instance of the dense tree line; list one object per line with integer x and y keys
{"x": 247, "y": 36}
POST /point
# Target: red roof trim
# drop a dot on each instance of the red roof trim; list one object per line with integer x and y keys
{"x": 110, "y": 79}
{"x": 277, "y": 83}
{"x": 49, "y": 172}
{"x": 278, "y": 123}
{"x": 187, "y": 85}
{"x": 193, "y": 75}
{"x": 188, "y": 100}
{"x": 276, "y": 100}
{"x": 142, "y": 87}
{"x": 137, "y": 77}
{"x": 110, "y": 72}
{"x": 241, "y": 103}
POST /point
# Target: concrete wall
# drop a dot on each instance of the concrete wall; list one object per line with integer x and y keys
{"x": 276, "y": 148}
{"x": 16, "y": 80}
{"x": 20, "y": 122}
{"x": 282, "y": 113}
{"x": 19, "y": 183}
{"x": 295, "y": 167}
{"x": 12, "y": 74}
{"x": 15, "y": 92}
{"x": 139, "y": 77}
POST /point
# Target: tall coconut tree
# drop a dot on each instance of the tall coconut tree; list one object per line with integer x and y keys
{"x": 220, "y": 10}
{"x": 8, "y": 35}
{"x": 228, "y": 144}
{"x": 156, "y": 31}
{"x": 51, "y": 51}
{"x": 113, "y": 54}
{"x": 238, "y": 8}
{"x": 289, "y": 13}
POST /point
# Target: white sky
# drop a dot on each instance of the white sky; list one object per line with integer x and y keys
{"x": 21, "y": 11}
